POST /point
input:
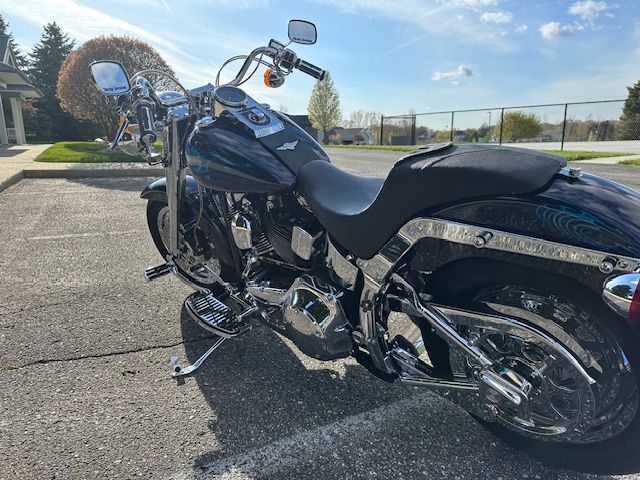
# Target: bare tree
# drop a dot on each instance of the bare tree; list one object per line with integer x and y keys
{"x": 77, "y": 93}
{"x": 363, "y": 119}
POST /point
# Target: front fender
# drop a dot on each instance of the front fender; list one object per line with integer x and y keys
{"x": 216, "y": 231}
{"x": 157, "y": 190}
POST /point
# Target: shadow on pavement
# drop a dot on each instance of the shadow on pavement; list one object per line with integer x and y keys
{"x": 11, "y": 152}
{"x": 261, "y": 393}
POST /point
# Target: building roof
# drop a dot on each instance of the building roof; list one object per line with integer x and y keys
{"x": 13, "y": 80}
{"x": 4, "y": 44}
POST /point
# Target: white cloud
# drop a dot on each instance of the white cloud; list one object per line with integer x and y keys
{"x": 588, "y": 10}
{"x": 475, "y": 4}
{"x": 522, "y": 28}
{"x": 83, "y": 23}
{"x": 454, "y": 75}
{"x": 553, "y": 30}
{"x": 496, "y": 17}
{"x": 443, "y": 18}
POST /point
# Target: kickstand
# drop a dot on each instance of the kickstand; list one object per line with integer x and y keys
{"x": 179, "y": 372}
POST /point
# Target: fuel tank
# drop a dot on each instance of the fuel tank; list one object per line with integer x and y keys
{"x": 226, "y": 155}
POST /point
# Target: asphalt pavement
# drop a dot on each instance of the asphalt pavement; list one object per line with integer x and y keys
{"x": 86, "y": 391}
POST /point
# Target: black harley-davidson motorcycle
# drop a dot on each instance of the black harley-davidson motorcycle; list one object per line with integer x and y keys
{"x": 498, "y": 276}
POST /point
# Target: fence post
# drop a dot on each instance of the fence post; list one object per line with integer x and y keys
{"x": 413, "y": 130}
{"x": 501, "y": 124}
{"x": 451, "y": 134}
{"x": 381, "y": 128}
{"x": 564, "y": 126}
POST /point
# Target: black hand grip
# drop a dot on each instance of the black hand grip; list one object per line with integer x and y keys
{"x": 310, "y": 69}
{"x": 145, "y": 120}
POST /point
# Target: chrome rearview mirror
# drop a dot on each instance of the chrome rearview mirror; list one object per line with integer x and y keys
{"x": 301, "y": 31}
{"x": 110, "y": 77}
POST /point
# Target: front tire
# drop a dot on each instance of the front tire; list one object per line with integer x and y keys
{"x": 157, "y": 220}
{"x": 611, "y": 443}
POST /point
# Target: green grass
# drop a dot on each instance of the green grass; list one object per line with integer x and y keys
{"x": 85, "y": 152}
{"x": 630, "y": 162}
{"x": 584, "y": 155}
{"x": 570, "y": 156}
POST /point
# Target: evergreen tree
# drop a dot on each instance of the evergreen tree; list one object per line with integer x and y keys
{"x": 21, "y": 60}
{"x": 629, "y": 127}
{"x": 47, "y": 56}
{"x": 324, "y": 106}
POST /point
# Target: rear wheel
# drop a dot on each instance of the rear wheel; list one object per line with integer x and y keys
{"x": 592, "y": 428}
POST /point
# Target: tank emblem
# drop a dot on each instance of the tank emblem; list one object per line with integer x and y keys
{"x": 288, "y": 146}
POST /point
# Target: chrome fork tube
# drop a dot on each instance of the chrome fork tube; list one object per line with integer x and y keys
{"x": 175, "y": 180}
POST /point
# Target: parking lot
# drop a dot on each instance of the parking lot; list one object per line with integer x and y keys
{"x": 86, "y": 390}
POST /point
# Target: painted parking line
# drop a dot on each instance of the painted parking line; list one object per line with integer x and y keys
{"x": 80, "y": 235}
{"x": 287, "y": 452}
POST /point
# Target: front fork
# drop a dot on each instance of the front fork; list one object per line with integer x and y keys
{"x": 174, "y": 173}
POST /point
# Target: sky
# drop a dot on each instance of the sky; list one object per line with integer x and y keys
{"x": 389, "y": 56}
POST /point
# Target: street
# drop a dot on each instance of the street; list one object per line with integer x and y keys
{"x": 86, "y": 387}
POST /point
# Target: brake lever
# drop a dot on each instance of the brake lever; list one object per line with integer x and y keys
{"x": 121, "y": 129}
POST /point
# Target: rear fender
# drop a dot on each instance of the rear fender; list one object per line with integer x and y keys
{"x": 589, "y": 212}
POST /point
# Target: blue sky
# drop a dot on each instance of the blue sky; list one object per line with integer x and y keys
{"x": 387, "y": 56}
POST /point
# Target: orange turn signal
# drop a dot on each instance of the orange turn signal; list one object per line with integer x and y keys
{"x": 267, "y": 75}
{"x": 273, "y": 78}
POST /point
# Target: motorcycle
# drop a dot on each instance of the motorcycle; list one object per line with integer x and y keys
{"x": 499, "y": 277}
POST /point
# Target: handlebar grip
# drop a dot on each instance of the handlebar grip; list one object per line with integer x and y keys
{"x": 145, "y": 119}
{"x": 310, "y": 69}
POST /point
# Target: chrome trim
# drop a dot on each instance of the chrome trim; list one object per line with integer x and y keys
{"x": 266, "y": 294}
{"x": 619, "y": 291}
{"x": 302, "y": 242}
{"x": 241, "y": 231}
{"x": 342, "y": 267}
{"x": 175, "y": 180}
{"x": 571, "y": 172}
{"x": 381, "y": 264}
{"x": 528, "y": 332}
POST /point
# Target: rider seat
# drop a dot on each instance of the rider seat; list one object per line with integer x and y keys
{"x": 363, "y": 213}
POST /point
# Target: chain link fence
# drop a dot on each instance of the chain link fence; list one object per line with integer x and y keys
{"x": 601, "y": 126}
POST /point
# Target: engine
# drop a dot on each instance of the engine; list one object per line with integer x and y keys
{"x": 279, "y": 239}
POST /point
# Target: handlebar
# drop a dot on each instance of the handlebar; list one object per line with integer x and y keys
{"x": 144, "y": 111}
{"x": 274, "y": 52}
{"x": 310, "y": 69}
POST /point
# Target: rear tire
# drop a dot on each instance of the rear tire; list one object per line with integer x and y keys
{"x": 617, "y": 454}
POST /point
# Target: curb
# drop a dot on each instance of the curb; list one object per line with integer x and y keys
{"x": 92, "y": 173}
{"x": 11, "y": 180}
{"x": 80, "y": 173}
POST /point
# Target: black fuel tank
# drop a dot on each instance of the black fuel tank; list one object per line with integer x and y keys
{"x": 226, "y": 156}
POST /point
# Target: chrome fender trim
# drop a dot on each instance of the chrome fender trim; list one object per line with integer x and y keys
{"x": 381, "y": 264}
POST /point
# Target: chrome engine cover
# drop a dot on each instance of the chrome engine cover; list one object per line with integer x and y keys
{"x": 314, "y": 319}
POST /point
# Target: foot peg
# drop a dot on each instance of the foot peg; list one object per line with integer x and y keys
{"x": 161, "y": 270}
{"x": 217, "y": 317}
{"x": 178, "y": 371}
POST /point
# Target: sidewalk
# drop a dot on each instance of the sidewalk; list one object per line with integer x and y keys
{"x": 17, "y": 162}
{"x": 609, "y": 160}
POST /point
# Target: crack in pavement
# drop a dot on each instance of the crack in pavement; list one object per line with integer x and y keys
{"x": 104, "y": 355}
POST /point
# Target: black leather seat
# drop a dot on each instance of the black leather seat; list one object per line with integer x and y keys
{"x": 363, "y": 213}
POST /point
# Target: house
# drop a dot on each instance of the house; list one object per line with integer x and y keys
{"x": 304, "y": 123}
{"x": 15, "y": 88}
{"x": 353, "y": 136}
